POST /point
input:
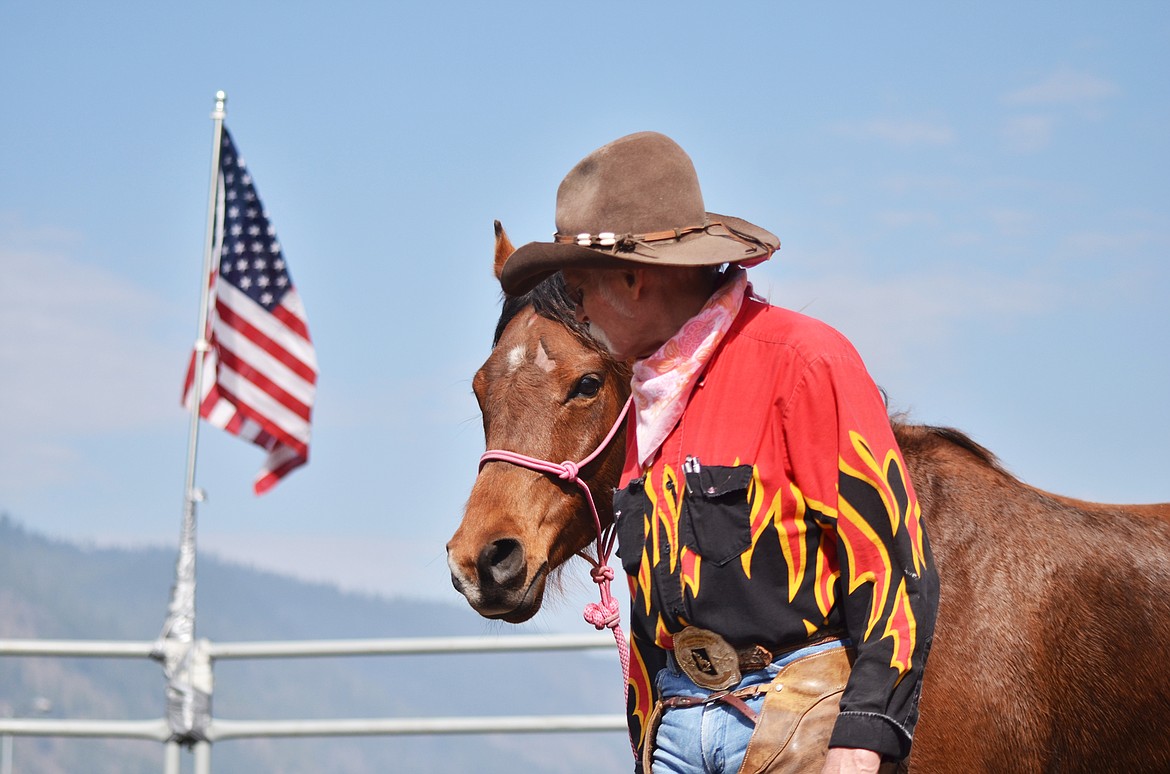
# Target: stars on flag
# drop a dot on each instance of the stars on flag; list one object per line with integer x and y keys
{"x": 250, "y": 258}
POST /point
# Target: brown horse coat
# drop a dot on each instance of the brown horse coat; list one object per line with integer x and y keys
{"x": 1054, "y": 614}
{"x": 1053, "y": 618}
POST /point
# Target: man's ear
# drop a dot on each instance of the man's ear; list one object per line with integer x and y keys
{"x": 635, "y": 281}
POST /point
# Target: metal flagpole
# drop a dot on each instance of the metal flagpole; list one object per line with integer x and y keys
{"x": 186, "y": 665}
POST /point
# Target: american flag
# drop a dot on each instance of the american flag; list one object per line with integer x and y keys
{"x": 260, "y": 372}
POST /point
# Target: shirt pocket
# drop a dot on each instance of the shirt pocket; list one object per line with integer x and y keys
{"x": 629, "y": 513}
{"x": 716, "y": 514}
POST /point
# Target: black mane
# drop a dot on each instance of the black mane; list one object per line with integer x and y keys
{"x": 550, "y": 300}
{"x": 919, "y": 436}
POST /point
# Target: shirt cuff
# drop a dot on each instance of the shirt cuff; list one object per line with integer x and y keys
{"x": 871, "y": 731}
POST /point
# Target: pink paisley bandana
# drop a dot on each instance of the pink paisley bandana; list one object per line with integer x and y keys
{"x": 663, "y": 382}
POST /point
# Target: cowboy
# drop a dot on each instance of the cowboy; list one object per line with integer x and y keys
{"x": 783, "y": 589}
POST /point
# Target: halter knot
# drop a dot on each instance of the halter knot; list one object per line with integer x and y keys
{"x": 602, "y": 573}
{"x": 603, "y": 615}
{"x": 569, "y": 471}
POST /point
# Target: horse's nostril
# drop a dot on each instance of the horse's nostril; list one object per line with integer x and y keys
{"x": 502, "y": 561}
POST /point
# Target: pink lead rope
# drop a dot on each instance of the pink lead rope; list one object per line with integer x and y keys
{"x": 607, "y": 614}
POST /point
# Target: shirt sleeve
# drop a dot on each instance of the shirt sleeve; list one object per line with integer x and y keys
{"x": 847, "y": 466}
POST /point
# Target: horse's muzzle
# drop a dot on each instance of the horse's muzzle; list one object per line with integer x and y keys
{"x": 498, "y": 586}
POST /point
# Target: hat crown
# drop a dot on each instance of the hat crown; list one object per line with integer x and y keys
{"x": 644, "y": 187}
{"x": 636, "y": 184}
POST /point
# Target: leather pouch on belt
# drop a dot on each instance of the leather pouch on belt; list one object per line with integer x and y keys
{"x": 651, "y": 734}
{"x": 800, "y": 709}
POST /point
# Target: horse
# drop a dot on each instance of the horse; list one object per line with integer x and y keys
{"x": 1047, "y": 654}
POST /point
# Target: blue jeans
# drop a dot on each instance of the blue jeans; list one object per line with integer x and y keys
{"x": 711, "y": 738}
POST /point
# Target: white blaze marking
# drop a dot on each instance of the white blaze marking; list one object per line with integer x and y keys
{"x": 516, "y": 357}
{"x": 543, "y": 361}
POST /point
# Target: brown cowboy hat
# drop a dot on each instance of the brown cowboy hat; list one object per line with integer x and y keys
{"x": 635, "y": 200}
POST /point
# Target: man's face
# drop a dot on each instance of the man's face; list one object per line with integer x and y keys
{"x": 605, "y": 302}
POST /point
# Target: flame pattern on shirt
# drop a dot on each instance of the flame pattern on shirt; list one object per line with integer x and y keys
{"x": 810, "y": 539}
{"x": 776, "y": 510}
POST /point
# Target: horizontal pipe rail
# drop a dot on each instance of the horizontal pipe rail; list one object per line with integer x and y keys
{"x": 414, "y": 646}
{"x": 240, "y": 729}
{"x": 153, "y": 730}
{"x": 220, "y": 729}
{"x": 96, "y": 648}
{"x": 407, "y": 646}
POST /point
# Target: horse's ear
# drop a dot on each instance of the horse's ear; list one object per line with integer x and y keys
{"x": 504, "y": 248}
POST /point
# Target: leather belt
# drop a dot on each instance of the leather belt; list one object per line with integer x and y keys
{"x": 711, "y": 662}
{"x": 753, "y": 658}
{"x": 734, "y": 698}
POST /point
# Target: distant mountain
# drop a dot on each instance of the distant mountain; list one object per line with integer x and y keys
{"x": 51, "y": 589}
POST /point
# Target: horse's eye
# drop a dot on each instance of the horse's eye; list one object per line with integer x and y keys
{"x": 587, "y": 386}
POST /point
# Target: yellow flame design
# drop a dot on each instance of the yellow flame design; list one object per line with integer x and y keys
{"x": 792, "y": 538}
{"x": 758, "y": 518}
{"x": 902, "y": 619}
{"x": 640, "y": 690}
{"x": 825, "y": 589}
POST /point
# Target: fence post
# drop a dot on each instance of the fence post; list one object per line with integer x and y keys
{"x": 171, "y": 761}
{"x": 203, "y": 757}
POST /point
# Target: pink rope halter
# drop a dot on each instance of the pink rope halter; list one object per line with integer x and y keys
{"x": 607, "y": 614}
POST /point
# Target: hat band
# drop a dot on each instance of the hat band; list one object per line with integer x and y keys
{"x": 610, "y": 239}
{"x": 627, "y": 243}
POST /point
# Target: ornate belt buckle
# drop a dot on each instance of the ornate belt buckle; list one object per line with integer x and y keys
{"x": 706, "y": 658}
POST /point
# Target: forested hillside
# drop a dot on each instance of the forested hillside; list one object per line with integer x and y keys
{"x": 58, "y": 590}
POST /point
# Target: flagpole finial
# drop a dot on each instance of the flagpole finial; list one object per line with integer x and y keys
{"x": 220, "y": 102}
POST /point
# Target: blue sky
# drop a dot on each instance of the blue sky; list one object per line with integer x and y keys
{"x": 976, "y": 196}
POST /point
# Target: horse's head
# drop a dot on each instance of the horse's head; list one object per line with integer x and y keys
{"x": 551, "y": 392}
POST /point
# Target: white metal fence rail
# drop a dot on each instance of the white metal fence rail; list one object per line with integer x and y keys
{"x": 223, "y": 729}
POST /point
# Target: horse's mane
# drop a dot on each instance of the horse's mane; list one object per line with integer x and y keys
{"x": 550, "y": 300}
{"x": 919, "y": 435}
{"x": 964, "y": 441}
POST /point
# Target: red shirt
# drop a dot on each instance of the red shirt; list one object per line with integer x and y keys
{"x": 777, "y": 509}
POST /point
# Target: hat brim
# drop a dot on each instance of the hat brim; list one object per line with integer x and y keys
{"x": 536, "y": 261}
